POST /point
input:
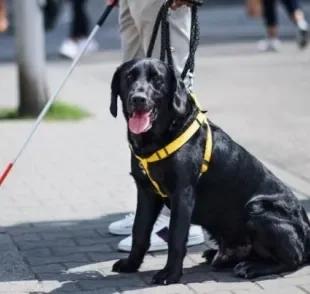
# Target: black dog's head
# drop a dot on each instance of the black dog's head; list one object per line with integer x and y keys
{"x": 151, "y": 95}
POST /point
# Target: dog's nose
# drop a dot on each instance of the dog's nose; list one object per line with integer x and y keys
{"x": 138, "y": 100}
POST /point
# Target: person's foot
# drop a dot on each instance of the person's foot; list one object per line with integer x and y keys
{"x": 159, "y": 237}
{"x": 70, "y": 48}
{"x": 303, "y": 34}
{"x": 92, "y": 47}
{"x": 122, "y": 227}
{"x": 269, "y": 45}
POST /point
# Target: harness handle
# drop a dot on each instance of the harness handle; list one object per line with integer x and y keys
{"x": 162, "y": 19}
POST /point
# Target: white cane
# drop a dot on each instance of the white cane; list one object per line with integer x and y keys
{"x": 101, "y": 20}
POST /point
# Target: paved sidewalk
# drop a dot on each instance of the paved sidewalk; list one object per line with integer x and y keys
{"x": 72, "y": 180}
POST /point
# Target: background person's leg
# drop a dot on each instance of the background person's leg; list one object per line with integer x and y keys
{"x": 79, "y": 31}
{"x": 297, "y": 16}
{"x": 271, "y": 22}
{"x": 80, "y": 22}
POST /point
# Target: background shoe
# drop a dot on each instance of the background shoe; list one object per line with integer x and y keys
{"x": 123, "y": 226}
{"x": 303, "y": 34}
{"x": 269, "y": 45}
{"x": 69, "y": 49}
{"x": 93, "y": 46}
{"x": 159, "y": 236}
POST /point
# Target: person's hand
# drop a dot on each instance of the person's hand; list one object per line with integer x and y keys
{"x": 179, "y": 3}
{"x": 112, "y": 2}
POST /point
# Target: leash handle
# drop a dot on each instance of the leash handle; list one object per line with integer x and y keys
{"x": 161, "y": 19}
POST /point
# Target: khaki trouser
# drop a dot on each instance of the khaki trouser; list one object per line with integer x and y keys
{"x": 137, "y": 19}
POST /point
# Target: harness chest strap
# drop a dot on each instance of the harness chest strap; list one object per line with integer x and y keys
{"x": 177, "y": 144}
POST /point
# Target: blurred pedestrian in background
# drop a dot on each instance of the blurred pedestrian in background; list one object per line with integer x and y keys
{"x": 4, "y": 23}
{"x": 79, "y": 31}
{"x": 270, "y": 16}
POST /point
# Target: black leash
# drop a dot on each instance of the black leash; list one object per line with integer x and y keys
{"x": 162, "y": 19}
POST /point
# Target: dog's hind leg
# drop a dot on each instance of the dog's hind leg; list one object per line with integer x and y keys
{"x": 229, "y": 256}
{"x": 279, "y": 236}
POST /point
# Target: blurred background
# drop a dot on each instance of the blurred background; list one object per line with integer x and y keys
{"x": 220, "y": 21}
{"x": 73, "y": 179}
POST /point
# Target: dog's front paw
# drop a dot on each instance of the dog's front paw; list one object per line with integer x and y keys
{"x": 166, "y": 277}
{"x": 124, "y": 266}
{"x": 247, "y": 270}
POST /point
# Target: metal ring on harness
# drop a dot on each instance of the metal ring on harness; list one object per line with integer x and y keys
{"x": 162, "y": 19}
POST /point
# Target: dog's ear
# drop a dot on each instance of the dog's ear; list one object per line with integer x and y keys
{"x": 179, "y": 98}
{"x": 115, "y": 91}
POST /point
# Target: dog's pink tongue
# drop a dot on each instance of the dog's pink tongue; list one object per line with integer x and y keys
{"x": 139, "y": 122}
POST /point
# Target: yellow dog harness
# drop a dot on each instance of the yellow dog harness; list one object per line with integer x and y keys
{"x": 177, "y": 144}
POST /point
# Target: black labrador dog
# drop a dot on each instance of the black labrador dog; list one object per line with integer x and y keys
{"x": 259, "y": 225}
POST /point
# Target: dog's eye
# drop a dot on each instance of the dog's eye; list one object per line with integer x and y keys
{"x": 129, "y": 77}
{"x": 156, "y": 78}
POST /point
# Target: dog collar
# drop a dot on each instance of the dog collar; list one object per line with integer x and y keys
{"x": 177, "y": 144}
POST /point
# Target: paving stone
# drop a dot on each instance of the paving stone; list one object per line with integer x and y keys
{"x": 273, "y": 282}
{"x": 43, "y": 244}
{"x": 50, "y": 268}
{"x": 12, "y": 265}
{"x": 18, "y": 286}
{"x": 26, "y": 237}
{"x": 305, "y": 271}
{"x": 223, "y": 286}
{"x": 59, "y": 287}
{"x": 305, "y": 288}
{"x": 81, "y": 249}
{"x": 298, "y": 280}
{"x": 170, "y": 289}
{"x": 98, "y": 257}
{"x": 40, "y": 252}
{"x": 57, "y": 259}
{"x": 111, "y": 282}
{"x": 101, "y": 291}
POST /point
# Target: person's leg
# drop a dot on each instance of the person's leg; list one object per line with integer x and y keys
{"x": 79, "y": 31}
{"x": 3, "y": 17}
{"x": 80, "y": 23}
{"x": 270, "y": 18}
{"x": 296, "y": 14}
{"x": 271, "y": 22}
{"x": 180, "y": 29}
{"x": 131, "y": 46}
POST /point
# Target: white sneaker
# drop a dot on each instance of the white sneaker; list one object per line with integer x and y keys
{"x": 69, "y": 49}
{"x": 93, "y": 46}
{"x": 269, "y": 45}
{"x": 123, "y": 226}
{"x": 159, "y": 236}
